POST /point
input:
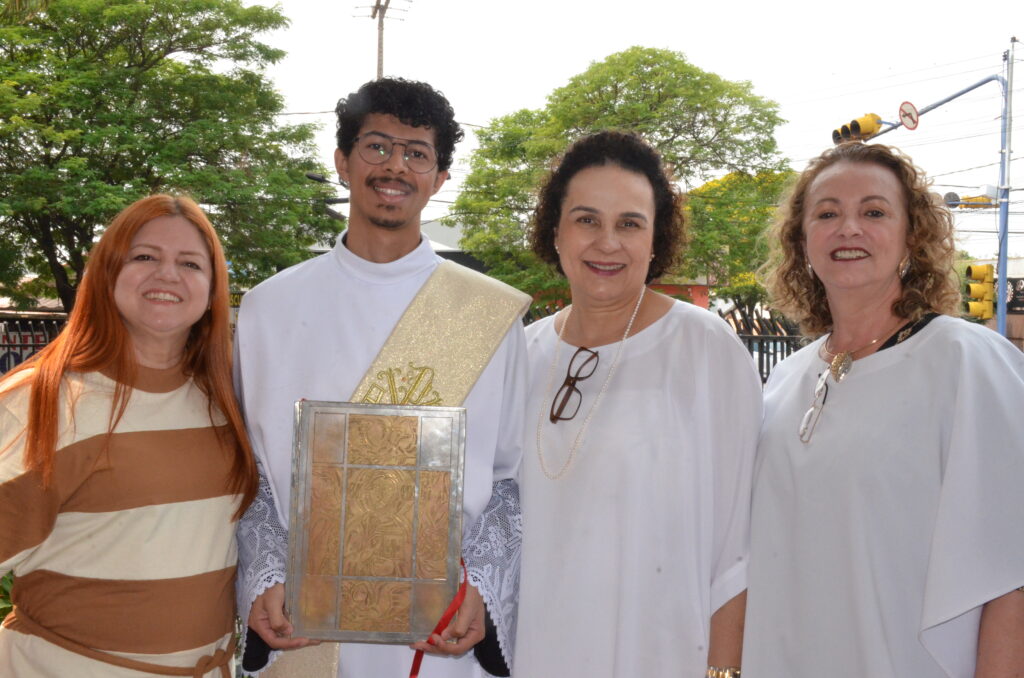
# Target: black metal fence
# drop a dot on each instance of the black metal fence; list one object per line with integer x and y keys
{"x": 21, "y": 337}
{"x": 768, "y": 350}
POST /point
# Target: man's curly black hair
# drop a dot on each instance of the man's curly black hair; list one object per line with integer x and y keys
{"x": 414, "y": 103}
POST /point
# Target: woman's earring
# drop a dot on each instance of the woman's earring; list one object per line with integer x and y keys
{"x": 810, "y": 269}
{"x": 904, "y": 267}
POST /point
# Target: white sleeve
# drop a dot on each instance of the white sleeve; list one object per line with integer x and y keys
{"x": 977, "y": 551}
{"x": 262, "y": 539}
{"x": 509, "y": 452}
{"x": 739, "y": 409}
{"x": 492, "y": 546}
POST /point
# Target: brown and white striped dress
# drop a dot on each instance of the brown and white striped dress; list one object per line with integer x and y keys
{"x": 129, "y": 553}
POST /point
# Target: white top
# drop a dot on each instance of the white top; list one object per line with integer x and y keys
{"x": 311, "y": 332}
{"x": 875, "y": 545}
{"x": 626, "y": 557}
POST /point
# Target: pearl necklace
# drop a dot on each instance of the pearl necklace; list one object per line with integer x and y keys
{"x": 597, "y": 400}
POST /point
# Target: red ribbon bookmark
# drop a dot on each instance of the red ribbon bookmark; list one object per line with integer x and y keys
{"x": 446, "y": 619}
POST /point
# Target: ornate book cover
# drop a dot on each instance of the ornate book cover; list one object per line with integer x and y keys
{"x": 376, "y": 520}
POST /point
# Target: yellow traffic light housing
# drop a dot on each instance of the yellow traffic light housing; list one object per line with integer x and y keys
{"x": 976, "y": 201}
{"x": 864, "y": 127}
{"x": 980, "y": 291}
{"x": 982, "y": 272}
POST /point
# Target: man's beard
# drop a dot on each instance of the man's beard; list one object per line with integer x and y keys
{"x": 387, "y": 224}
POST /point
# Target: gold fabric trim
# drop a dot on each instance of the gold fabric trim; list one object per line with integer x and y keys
{"x": 443, "y": 341}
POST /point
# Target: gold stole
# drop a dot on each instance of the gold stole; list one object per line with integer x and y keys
{"x": 443, "y": 341}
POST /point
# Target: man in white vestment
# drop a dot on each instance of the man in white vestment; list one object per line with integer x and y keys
{"x": 313, "y": 330}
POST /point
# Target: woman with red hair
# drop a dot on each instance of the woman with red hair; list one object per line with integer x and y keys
{"x": 124, "y": 464}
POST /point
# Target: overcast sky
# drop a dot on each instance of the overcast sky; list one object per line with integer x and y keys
{"x": 822, "y": 66}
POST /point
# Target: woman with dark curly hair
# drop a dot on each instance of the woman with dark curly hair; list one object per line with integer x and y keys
{"x": 887, "y": 530}
{"x": 643, "y": 420}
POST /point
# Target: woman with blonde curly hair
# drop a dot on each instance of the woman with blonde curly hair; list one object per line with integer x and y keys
{"x": 887, "y": 529}
{"x": 124, "y": 464}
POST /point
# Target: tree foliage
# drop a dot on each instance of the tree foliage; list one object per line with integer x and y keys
{"x": 498, "y": 196}
{"x": 5, "y": 594}
{"x": 19, "y": 10}
{"x": 105, "y": 101}
{"x": 728, "y": 219}
{"x": 701, "y": 124}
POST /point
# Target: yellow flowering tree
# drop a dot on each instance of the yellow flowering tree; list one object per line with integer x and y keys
{"x": 728, "y": 219}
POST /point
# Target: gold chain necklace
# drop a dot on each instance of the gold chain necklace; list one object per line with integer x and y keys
{"x": 597, "y": 400}
{"x": 841, "y": 363}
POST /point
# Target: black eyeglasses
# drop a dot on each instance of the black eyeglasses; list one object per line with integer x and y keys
{"x": 568, "y": 397}
{"x": 376, "y": 148}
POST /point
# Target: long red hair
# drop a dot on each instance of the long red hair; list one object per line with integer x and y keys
{"x": 95, "y": 339}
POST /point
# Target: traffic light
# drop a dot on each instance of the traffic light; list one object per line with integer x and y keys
{"x": 986, "y": 199}
{"x": 977, "y": 201}
{"x": 864, "y": 127}
{"x": 980, "y": 291}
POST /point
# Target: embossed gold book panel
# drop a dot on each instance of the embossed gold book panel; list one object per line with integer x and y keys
{"x": 376, "y": 519}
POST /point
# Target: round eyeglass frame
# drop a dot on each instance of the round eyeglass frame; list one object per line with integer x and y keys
{"x": 379, "y": 158}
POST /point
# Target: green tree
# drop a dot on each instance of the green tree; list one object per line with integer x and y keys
{"x": 19, "y": 10}
{"x": 5, "y": 595}
{"x": 498, "y": 196}
{"x": 728, "y": 219}
{"x": 745, "y": 292}
{"x": 105, "y": 101}
{"x": 701, "y": 124}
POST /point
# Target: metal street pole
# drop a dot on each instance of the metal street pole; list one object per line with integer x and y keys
{"x": 1004, "y": 189}
{"x": 1004, "y": 171}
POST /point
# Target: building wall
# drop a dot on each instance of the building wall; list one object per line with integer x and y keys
{"x": 697, "y": 294}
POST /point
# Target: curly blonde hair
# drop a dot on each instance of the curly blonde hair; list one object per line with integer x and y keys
{"x": 931, "y": 286}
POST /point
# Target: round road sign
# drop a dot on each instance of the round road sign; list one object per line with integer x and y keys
{"x": 908, "y": 115}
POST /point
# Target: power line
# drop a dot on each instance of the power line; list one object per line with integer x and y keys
{"x": 968, "y": 169}
{"x": 872, "y": 84}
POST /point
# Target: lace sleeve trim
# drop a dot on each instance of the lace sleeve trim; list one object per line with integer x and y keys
{"x": 262, "y": 552}
{"x": 491, "y": 551}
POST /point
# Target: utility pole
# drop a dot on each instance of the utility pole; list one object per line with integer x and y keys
{"x": 380, "y": 8}
{"x": 1004, "y": 186}
{"x": 1003, "y": 190}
